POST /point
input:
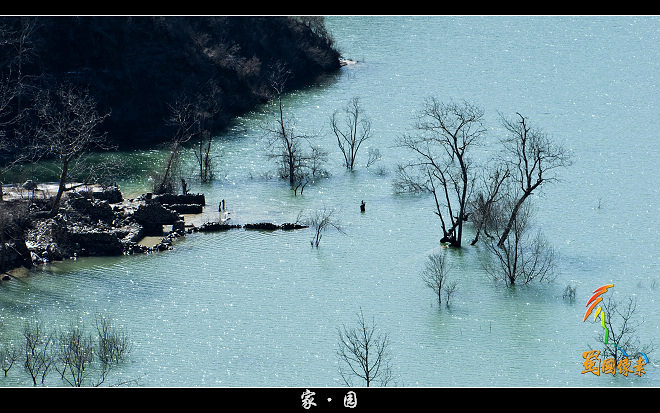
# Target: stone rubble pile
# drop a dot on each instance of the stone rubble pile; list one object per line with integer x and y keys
{"x": 100, "y": 222}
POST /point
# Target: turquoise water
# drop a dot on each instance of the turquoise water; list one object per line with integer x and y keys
{"x": 247, "y": 308}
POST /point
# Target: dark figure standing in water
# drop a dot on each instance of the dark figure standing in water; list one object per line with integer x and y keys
{"x": 362, "y": 206}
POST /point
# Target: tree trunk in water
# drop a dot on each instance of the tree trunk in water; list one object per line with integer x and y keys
{"x": 450, "y": 238}
{"x": 476, "y": 237}
{"x": 512, "y": 218}
{"x": 60, "y": 189}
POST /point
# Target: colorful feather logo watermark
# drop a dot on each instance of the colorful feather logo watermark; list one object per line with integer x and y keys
{"x": 592, "y": 303}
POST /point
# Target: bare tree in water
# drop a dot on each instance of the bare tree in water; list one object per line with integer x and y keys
{"x": 204, "y": 108}
{"x": 435, "y": 277}
{"x": 364, "y": 354}
{"x": 525, "y": 255}
{"x": 37, "y": 351}
{"x": 320, "y": 221}
{"x": 486, "y": 196}
{"x": 184, "y": 123}
{"x": 622, "y": 325}
{"x": 75, "y": 355}
{"x": 533, "y": 158}
{"x": 354, "y": 131}
{"x": 442, "y": 165}
{"x": 300, "y": 161}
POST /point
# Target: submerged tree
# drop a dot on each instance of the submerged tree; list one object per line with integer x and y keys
{"x": 112, "y": 347}
{"x": 484, "y": 201}
{"x": 182, "y": 119}
{"x": 75, "y": 356}
{"x": 435, "y": 277}
{"x": 79, "y": 356}
{"x": 300, "y": 161}
{"x": 37, "y": 351}
{"x": 9, "y": 354}
{"x": 113, "y": 344}
{"x": 620, "y": 338}
{"x": 191, "y": 118}
{"x": 524, "y": 256}
{"x": 356, "y": 129}
{"x": 363, "y": 352}
{"x": 82, "y": 360}
{"x": 443, "y": 166}
{"x": 532, "y": 157}
{"x": 321, "y": 220}
{"x": 204, "y": 108}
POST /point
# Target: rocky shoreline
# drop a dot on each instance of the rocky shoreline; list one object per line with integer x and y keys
{"x": 99, "y": 221}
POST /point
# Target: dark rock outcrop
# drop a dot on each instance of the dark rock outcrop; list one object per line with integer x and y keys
{"x": 88, "y": 224}
{"x": 100, "y": 222}
{"x": 292, "y": 226}
{"x": 17, "y": 254}
{"x": 183, "y": 204}
{"x": 267, "y": 226}
{"x": 93, "y": 209}
{"x": 152, "y": 215}
{"x": 261, "y": 226}
{"x": 97, "y": 242}
{"x": 111, "y": 194}
{"x": 216, "y": 226}
{"x": 188, "y": 199}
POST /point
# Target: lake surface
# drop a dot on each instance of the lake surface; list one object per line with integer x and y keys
{"x": 248, "y": 308}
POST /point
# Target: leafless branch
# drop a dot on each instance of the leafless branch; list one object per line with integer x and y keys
{"x": 364, "y": 353}
{"x": 356, "y": 129}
